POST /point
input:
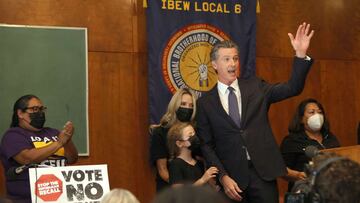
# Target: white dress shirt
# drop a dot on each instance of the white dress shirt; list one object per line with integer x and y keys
{"x": 224, "y": 94}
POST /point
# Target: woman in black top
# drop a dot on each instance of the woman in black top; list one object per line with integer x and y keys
{"x": 183, "y": 167}
{"x": 180, "y": 108}
{"x": 309, "y": 127}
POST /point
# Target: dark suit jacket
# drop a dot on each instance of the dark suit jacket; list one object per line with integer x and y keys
{"x": 224, "y": 143}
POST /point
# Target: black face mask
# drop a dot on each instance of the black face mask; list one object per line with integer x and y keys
{"x": 184, "y": 114}
{"x": 195, "y": 143}
{"x": 37, "y": 119}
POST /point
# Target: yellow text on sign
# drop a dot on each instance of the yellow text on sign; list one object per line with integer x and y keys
{"x": 203, "y": 6}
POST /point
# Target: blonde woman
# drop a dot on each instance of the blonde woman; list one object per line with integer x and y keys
{"x": 181, "y": 108}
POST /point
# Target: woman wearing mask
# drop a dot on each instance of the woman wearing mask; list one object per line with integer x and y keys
{"x": 181, "y": 108}
{"x": 309, "y": 127}
{"x": 28, "y": 142}
{"x": 183, "y": 167}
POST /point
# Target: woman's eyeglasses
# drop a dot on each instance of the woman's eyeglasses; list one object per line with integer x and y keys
{"x": 37, "y": 108}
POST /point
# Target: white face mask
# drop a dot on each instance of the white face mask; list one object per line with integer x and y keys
{"x": 315, "y": 122}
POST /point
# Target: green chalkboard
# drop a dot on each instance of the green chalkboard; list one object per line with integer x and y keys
{"x": 51, "y": 63}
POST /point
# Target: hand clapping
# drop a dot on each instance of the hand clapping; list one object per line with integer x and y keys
{"x": 67, "y": 133}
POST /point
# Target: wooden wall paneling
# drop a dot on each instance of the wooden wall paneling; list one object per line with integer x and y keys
{"x": 340, "y": 88}
{"x": 111, "y": 114}
{"x": 118, "y": 112}
{"x": 337, "y": 36}
{"x": 356, "y": 28}
{"x": 110, "y": 26}
{"x": 272, "y": 28}
{"x": 140, "y": 34}
{"x": 357, "y": 94}
{"x": 146, "y": 178}
{"x": 336, "y": 24}
{"x": 107, "y": 21}
{"x": 139, "y": 27}
{"x": 146, "y": 182}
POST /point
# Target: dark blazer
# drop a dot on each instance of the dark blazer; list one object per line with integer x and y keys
{"x": 224, "y": 143}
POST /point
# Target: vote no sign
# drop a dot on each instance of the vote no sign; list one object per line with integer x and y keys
{"x": 87, "y": 183}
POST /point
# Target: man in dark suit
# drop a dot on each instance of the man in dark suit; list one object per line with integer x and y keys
{"x": 232, "y": 122}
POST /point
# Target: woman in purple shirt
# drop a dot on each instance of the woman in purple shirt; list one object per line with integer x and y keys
{"x": 28, "y": 142}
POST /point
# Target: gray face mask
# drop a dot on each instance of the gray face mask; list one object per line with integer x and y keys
{"x": 315, "y": 122}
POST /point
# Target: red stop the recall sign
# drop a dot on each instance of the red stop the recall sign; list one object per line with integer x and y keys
{"x": 48, "y": 187}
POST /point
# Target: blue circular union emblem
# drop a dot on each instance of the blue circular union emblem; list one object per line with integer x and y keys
{"x": 186, "y": 58}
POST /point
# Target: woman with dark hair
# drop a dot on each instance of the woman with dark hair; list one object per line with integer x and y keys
{"x": 28, "y": 142}
{"x": 309, "y": 127}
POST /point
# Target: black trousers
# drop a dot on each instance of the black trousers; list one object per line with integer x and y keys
{"x": 259, "y": 190}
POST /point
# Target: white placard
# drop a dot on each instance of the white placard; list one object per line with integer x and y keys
{"x": 80, "y": 184}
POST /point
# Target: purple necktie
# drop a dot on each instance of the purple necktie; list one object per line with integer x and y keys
{"x": 233, "y": 106}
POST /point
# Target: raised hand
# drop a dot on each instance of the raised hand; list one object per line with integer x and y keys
{"x": 301, "y": 41}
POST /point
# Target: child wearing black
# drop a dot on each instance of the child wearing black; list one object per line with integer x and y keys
{"x": 184, "y": 168}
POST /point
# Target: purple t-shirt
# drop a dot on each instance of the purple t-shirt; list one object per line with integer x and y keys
{"x": 13, "y": 142}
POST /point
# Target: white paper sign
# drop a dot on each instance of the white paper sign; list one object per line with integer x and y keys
{"x": 80, "y": 184}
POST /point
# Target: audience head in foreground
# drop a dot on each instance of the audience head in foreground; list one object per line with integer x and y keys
{"x": 189, "y": 194}
{"x": 338, "y": 181}
{"x": 331, "y": 179}
{"x": 118, "y": 195}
